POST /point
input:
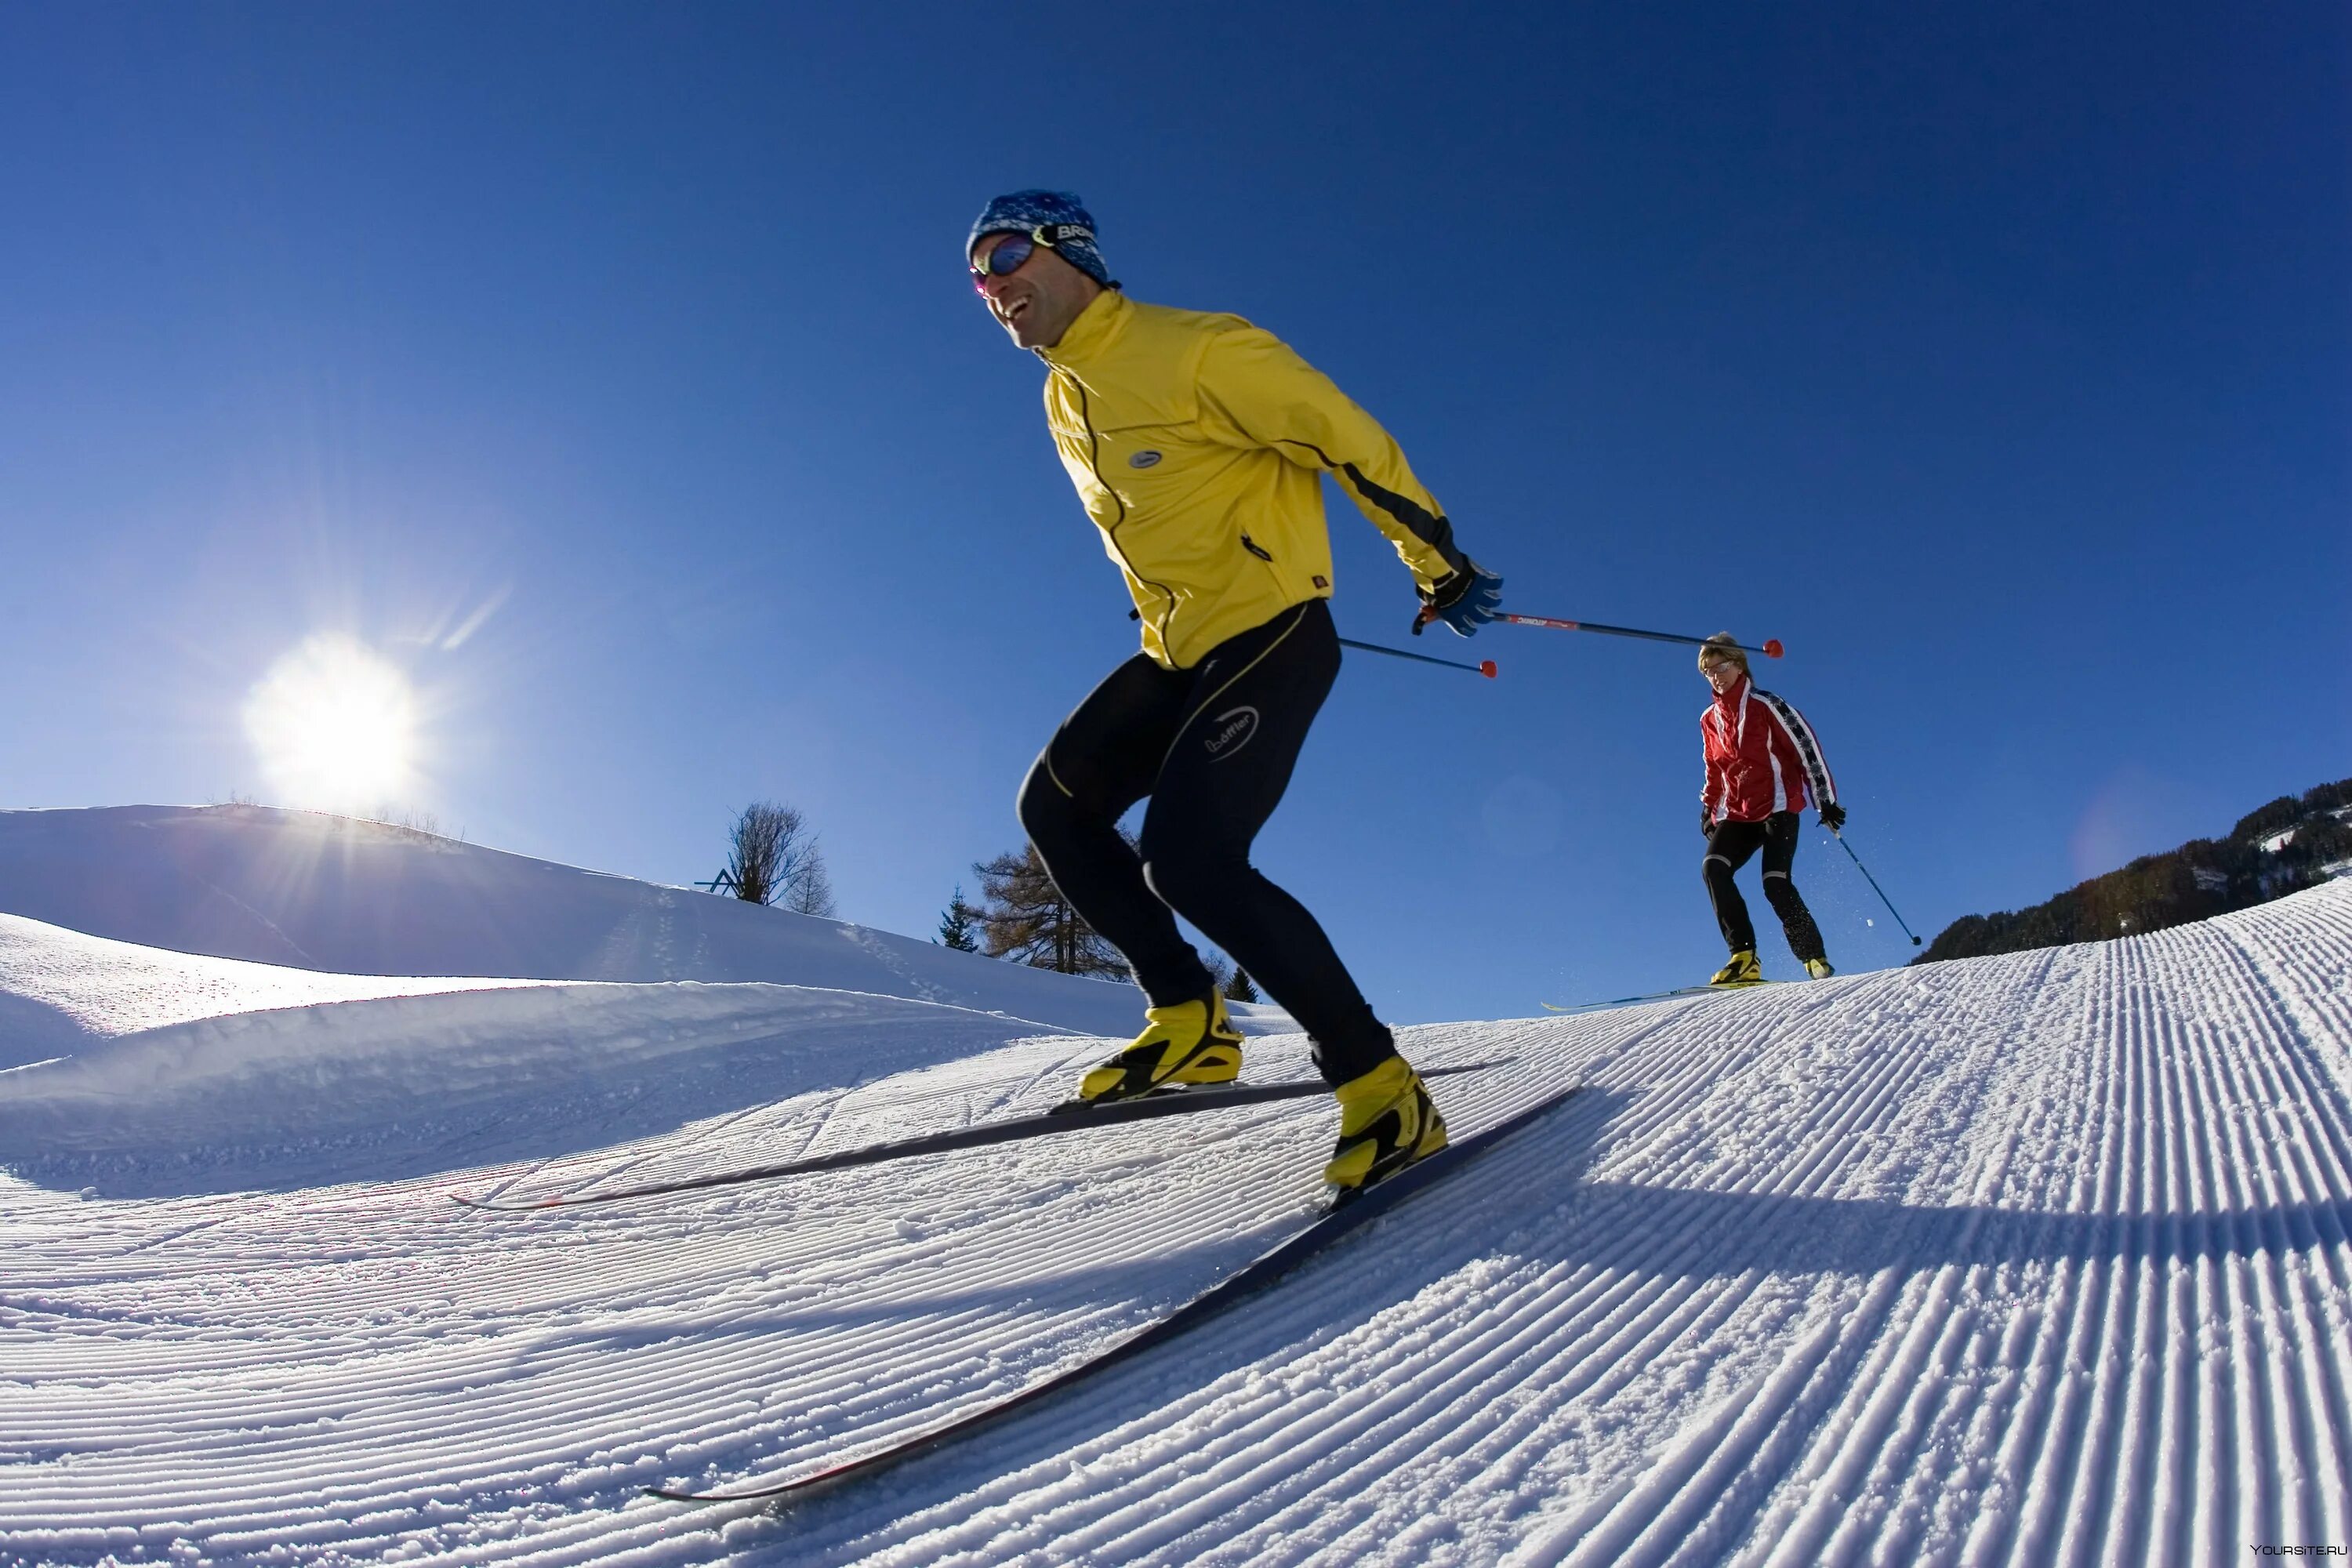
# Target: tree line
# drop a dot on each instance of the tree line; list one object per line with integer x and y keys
{"x": 2293, "y": 843}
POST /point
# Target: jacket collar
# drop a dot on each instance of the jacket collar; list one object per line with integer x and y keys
{"x": 1099, "y": 326}
{"x": 1730, "y": 700}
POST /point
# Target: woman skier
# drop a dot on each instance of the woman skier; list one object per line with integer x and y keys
{"x": 1761, "y": 757}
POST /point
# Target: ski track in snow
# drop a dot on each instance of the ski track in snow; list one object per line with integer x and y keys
{"x": 2038, "y": 1259}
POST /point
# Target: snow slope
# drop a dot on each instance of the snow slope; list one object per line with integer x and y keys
{"x": 2037, "y": 1260}
{"x": 349, "y": 896}
{"x": 61, "y": 991}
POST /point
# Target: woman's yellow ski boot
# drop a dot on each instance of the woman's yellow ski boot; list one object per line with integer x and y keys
{"x": 1743, "y": 970}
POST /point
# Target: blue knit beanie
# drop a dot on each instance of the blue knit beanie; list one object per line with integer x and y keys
{"x": 1025, "y": 212}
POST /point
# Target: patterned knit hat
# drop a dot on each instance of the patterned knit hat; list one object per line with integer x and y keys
{"x": 1069, "y": 227}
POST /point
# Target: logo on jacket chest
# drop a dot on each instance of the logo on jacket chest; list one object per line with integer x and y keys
{"x": 1143, "y": 459}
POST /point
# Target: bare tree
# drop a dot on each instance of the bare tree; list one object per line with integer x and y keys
{"x": 808, "y": 888}
{"x": 774, "y": 856}
{"x": 1024, "y": 916}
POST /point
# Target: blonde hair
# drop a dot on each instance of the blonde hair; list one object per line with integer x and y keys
{"x": 1722, "y": 648}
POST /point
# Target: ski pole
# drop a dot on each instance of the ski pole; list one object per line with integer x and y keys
{"x": 1874, "y": 883}
{"x": 1485, "y": 667}
{"x": 1771, "y": 648}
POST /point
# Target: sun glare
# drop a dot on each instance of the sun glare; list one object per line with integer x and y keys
{"x": 332, "y": 725}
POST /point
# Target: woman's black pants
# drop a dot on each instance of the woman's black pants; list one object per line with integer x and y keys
{"x": 1728, "y": 849}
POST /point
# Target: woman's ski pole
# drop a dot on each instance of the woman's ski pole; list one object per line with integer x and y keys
{"x": 1771, "y": 648}
{"x": 1874, "y": 883}
{"x": 1485, "y": 667}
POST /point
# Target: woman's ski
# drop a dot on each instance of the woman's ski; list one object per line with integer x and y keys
{"x": 1661, "y": 997}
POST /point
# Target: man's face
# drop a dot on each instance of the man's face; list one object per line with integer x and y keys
{"x": 1037, "y": 300}
{"x": 1722, "y": 674}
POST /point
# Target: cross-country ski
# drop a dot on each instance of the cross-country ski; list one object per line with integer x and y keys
{"x": 1678, "y": 992}
{"x": 1355, "y": 1207}
{"x": 1068, "y": 1116}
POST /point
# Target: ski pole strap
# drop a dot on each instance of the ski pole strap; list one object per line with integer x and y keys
{"x": 1485, "y": 667}
{"x": 1771, "y": 648}
{"x": 1873, "y": 884}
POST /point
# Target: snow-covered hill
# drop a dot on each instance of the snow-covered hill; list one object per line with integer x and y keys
{"x": 351, "y": 897}
{"x": 2034, "y": 1259}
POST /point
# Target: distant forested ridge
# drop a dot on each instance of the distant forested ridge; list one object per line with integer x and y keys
{"x": 2288, "y": 844}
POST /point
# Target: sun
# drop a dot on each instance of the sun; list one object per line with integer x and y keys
{"x": 333, "y": 726}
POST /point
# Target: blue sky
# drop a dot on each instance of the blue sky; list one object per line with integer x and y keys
{"x": 611, "y": 370}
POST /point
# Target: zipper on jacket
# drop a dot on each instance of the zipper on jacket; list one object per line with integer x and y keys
{"x": 1253, "y": 547}
{"x": 1094, "y": 462}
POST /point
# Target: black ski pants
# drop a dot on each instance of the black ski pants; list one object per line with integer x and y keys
{"x": 1213, "y": 746}
{"x": 1728, "y": 849}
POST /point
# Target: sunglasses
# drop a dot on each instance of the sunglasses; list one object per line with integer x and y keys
{"x": 1005, "y": 257}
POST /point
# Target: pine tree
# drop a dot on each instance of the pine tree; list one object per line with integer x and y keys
{"x": 956, "y": 923}
{"x": 1024, "y": 916}
{"x": 1241, "y": 987}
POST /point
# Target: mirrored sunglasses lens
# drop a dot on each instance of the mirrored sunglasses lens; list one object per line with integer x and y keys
{"x": 1009, "y": 253}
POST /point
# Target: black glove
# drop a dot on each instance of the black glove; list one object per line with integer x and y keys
{"x": 1833, "y": 816}
{"x": 1707, "y": 821}
{"x": 1463, "y": 600}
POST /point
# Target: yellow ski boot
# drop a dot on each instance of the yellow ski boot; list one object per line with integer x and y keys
{"x": 1819, "y": 968}
{"x": 1386, "y": 1123}
{"x": 1743, "y": 970}
{"x": 1192, "y": 1042}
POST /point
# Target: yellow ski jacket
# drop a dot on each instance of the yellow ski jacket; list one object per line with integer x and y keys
{"x": 1197, "y": 442}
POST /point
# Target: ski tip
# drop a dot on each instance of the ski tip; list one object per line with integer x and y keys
{"x": 1772, "y": 649}
{"x": 1453, "y": 1067}
{"x": 490, "y": 1206}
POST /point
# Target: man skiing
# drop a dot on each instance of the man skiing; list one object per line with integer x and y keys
{"x": 1762, "y": 756}
{"x": 1197, "y": 444}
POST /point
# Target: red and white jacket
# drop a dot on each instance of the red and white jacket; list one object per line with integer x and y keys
{"x": 1760, "y": 757}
